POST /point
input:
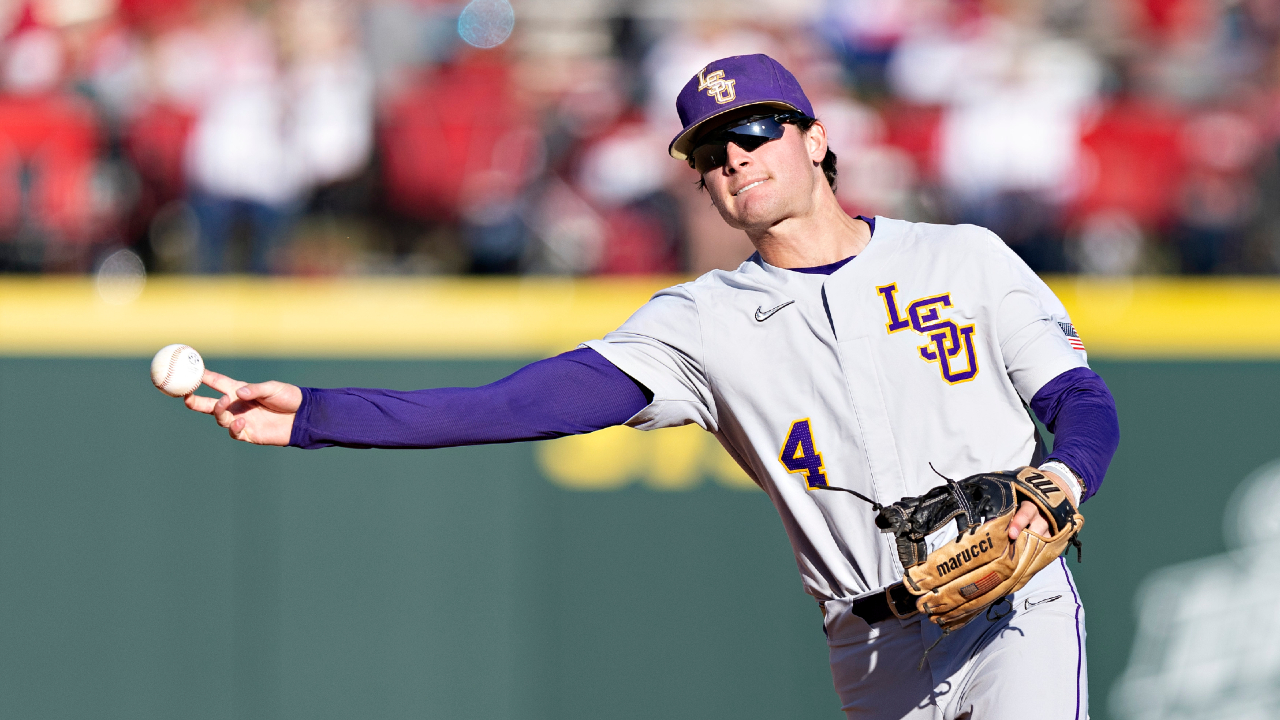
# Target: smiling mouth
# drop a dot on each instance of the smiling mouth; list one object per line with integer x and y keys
{"x": 748, "y": 187}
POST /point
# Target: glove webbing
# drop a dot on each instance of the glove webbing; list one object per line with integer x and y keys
{"x": 961, "y": 499}
{"x": 966, "y": 508}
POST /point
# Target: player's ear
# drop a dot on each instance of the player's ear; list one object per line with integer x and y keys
{"x": 815, "y": 141}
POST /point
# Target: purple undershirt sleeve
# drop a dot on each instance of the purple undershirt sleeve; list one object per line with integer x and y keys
{"x": 1078, "y": 409}
{"x": 569, "y": 394}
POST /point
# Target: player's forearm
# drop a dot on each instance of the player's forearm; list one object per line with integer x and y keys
{"x": 1078, "y": 409}
{"x": 569, "y": 394}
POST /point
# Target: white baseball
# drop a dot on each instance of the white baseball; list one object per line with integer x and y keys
{"x": 177, "y": 370}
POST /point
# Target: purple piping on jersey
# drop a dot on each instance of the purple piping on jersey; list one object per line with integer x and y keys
{"x": 832, "y": 267}
{"x": 1079, "y": 642}
{"x": 573, "y": 393}
{"x": 1078, "y": 409}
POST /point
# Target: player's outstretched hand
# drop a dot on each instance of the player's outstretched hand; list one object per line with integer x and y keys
{"x": 258, "y": 413}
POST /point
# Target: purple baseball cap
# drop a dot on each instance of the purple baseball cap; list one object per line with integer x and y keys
{"x": 731, "y": 83}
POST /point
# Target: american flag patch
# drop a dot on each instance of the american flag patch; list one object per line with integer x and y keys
{"x": 981, "y": 587}
{"x": 1073, "y": 337}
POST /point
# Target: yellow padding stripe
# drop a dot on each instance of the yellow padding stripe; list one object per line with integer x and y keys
{"x": 394, "y": 317}
{"x": 414, "y": 317}
{"x": 1175, "y": 318}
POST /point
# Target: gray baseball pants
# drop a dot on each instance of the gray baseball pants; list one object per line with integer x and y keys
{"x": 1025, "y": 658}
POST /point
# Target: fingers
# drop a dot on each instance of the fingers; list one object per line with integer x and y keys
{"x": 1028, "y": 517}
{"x": 199, "y": 403}
{"x": 1039, "y": 526}
{"x": 228, "y": 408}
{"x": 218, "y": 407}
{"x": 258, "y": 413}
{"x": 275, "y": 396}
{"x": 221, "y": 383}
{"x": 1027, "y": 512}
{"x": 237, "y": 430}
{"x": 256, "y": 391}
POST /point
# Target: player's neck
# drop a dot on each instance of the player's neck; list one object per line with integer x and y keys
{"x": 824, "y": 236}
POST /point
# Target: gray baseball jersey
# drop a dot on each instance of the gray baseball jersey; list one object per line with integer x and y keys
{"x": 922, "y": 350}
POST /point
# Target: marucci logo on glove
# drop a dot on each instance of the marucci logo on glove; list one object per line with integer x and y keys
{"x": 950, "y": 345}
{"x": 969, "y": 554}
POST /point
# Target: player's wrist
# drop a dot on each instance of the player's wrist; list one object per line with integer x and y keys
{"x": 1070, "y": 480}
{"x": 299, "y": 428}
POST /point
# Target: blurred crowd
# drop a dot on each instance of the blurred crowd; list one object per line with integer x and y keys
{"x": 316, "y": 137}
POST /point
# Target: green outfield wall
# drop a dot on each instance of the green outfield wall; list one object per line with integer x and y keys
{"x": 151, "y": 568}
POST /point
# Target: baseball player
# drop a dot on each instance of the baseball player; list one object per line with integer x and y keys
{"x": 869, "y": 355}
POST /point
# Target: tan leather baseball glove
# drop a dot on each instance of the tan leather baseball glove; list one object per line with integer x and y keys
{"x": 959, "y": 580}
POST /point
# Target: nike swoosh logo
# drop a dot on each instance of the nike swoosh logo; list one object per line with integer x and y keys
{"x": 1027, "y": 604}
{"x": 762, "y": 314}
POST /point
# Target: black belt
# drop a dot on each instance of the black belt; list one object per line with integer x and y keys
{"x": 893, "y": 601}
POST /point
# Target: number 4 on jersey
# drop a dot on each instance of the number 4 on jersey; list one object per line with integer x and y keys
{"x": 800, "y": 456}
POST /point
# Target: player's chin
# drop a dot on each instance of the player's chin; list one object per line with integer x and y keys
{"x": 747, "y": 213}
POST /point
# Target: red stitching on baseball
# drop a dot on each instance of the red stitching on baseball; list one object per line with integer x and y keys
{"x": 173, "y": 360}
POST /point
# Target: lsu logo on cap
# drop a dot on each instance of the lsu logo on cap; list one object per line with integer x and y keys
{"x": 716, "y": 86}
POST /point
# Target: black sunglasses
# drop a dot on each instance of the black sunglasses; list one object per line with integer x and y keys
{"x": 749, "y": 133}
